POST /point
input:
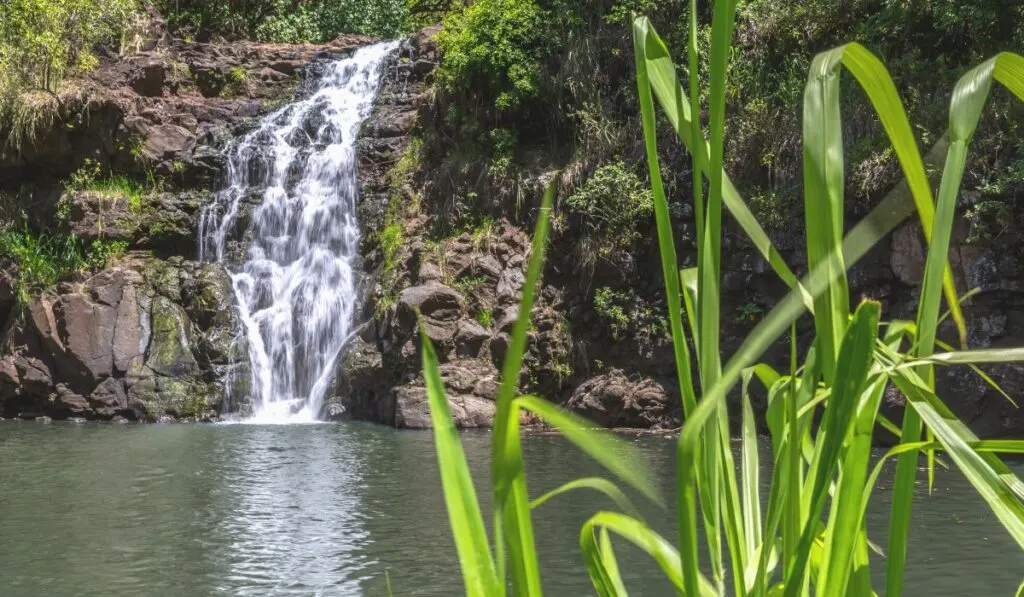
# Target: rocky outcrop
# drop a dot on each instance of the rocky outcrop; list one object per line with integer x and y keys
{"x": 614, "y": 400}
{"x": 142, "y": 340}
{"x": 161, "y": 111}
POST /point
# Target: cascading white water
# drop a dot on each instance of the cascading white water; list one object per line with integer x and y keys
{"x": 296, "y": 291}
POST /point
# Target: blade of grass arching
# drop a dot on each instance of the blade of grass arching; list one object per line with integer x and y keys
{"x": 511, "y": 500}
{"x": 846, "y": 514}
{"x": 467, "y": 523}
{"x": 642, "y": 536}
{"x": 617, "y": 456}
{"x": 823, "y": 202}
{"x": 990, "y": 477}
{"x": 686, "y": 502}
{"x": 598, "y": 484}
{"x": 661, "y": 73}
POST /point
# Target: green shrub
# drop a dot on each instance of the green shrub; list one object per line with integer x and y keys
{"x": 485, "y": 318}
{"x": 496, "y": 50}
{"x": 625, "y": 314}
{"x": 102, "y": 251}
{"x": 42, "y": 41}
{"x": 612, "y": 203}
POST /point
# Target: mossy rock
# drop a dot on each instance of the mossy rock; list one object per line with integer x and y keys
{"x": 170, "y": 350}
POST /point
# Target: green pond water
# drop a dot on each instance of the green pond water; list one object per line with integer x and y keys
{"x": 325, "y": 510}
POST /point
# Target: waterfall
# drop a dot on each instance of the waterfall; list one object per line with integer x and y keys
{"x": 296, "y": 290}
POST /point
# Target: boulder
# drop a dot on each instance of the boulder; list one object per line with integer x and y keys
{"x": 439, "y": 305}
{"x": 122, "y": 343}
{"x": 471, "y": 386}
{"x": 613, "y": 400}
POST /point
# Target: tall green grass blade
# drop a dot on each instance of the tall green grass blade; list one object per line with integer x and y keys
{"x": 846, "y": 514}
{"x": 612, "y": 453}
{"x": 666, "y": 242}
{"x": 855, "y": 357}
{"x": 660, "y": 72}
{"x": 751, "y": 479}
{"x": 611, "y": 564}
{"x": 478, "y": 573}
{"x": 513, "y": 526}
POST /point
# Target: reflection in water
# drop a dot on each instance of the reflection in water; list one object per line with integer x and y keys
{"x": 327, "y": 510}
{"x": 293, "y": 525}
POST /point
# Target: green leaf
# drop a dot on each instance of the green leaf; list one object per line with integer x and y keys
{"x": 467, "y": 523}
{"x": 598, "y": 484}
{"x": 511, "y": 500}
{"x": 642, "y": 536}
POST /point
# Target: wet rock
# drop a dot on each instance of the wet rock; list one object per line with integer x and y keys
{"x": 439, "y": 305}
{"x": 43, "y": 419}
{"x": 115, "y": 344}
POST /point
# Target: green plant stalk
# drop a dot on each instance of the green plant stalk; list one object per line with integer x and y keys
{"x": 969, "y": 98}
{"x": 511, "y": 500}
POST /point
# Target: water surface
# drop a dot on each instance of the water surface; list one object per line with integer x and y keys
{"x": 194, "y": 510}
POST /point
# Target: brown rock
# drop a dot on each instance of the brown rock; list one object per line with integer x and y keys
{"x": 613, "y": 400}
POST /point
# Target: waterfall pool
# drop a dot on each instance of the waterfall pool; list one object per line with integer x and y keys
{"x": 101, "y": 510}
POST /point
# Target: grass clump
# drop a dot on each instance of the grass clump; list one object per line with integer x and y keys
{"x": 807, "y": 535}
{"x": 40, "y": 259}
{"x": 90, "y": 177}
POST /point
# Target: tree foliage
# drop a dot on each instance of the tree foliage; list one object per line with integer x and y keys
{"x": 43, "y": 41}
{"x": 290, "y": 21}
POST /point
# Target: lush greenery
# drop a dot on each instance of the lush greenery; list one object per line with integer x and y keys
{"x": 809, "y": 535}
{"x": 611, "y": 204}
{"x": 561, "y": 88}
{"x": 284, "y": 20}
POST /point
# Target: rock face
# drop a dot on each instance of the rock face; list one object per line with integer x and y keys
{"x": 161, "y": 110}
{"x": 142, "y": 340}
